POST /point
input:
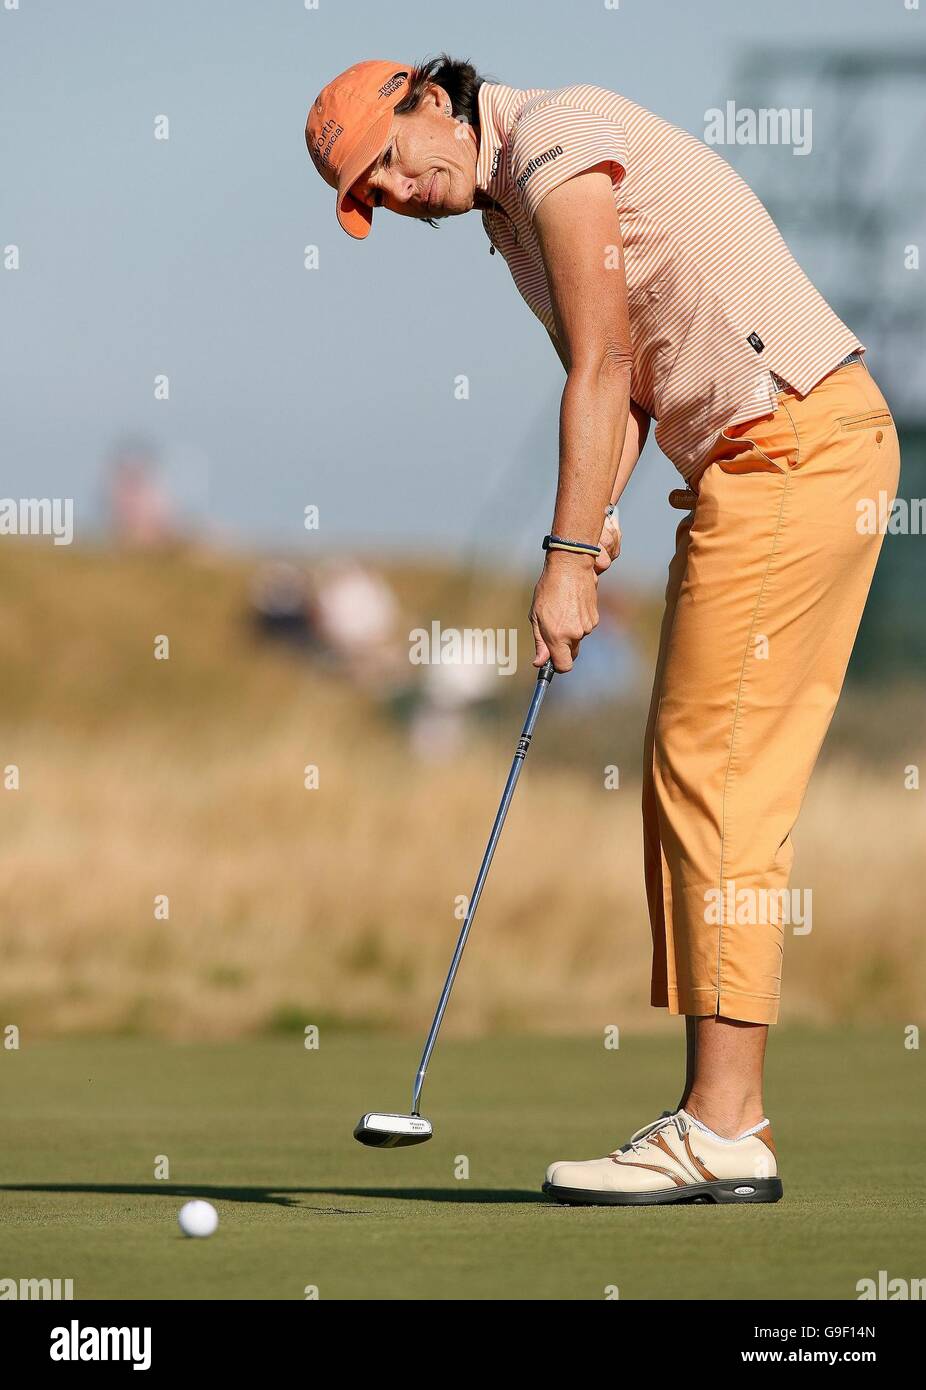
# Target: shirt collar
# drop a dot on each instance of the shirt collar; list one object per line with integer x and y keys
{"x": 493, "y": 138}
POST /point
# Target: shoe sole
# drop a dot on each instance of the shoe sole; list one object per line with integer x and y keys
{"x": 727, "y": 1190}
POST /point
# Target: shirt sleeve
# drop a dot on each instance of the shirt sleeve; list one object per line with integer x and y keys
{"x": 553, "y": 142}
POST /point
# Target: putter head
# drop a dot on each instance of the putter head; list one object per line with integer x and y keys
{"x": 380, "y": 1131}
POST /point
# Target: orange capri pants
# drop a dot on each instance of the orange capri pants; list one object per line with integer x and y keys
{"x": 771, "y": 572}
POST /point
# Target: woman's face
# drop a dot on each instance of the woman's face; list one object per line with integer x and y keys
{"x": 428, "y": 166}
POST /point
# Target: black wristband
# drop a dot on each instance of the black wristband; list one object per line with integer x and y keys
{"x": 574, "y": 547}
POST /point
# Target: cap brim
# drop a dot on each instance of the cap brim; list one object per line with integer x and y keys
{"x": 354, "y": 216}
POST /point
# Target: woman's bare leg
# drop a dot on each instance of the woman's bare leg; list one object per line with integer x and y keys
{"x": 723, "y": 1081}
{"x": 691, "y": 1049}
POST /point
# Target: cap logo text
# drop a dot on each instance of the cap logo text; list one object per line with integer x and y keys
{"x": 392, "y": 85}
{"x": 325, "y": 142}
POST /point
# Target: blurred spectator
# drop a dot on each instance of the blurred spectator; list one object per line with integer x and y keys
{"x": 438, "y": 720}
{"x": 140, "y": 510}
{"x": 281, "y": 606}
{"x": 357, "y": 617}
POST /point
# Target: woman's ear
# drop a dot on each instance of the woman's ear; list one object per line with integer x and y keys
{"x": 440, "y": 99}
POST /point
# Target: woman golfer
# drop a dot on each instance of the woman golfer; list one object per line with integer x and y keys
{"x": 669, "y": 295}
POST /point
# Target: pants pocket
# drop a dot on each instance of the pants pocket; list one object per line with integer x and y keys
{"x": 872, "y": 419}
{"x": 772, "y": 447}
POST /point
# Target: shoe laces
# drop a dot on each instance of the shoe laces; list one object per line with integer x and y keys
{"x": 642, "y": 1133}
{"x": 642, "y": 1140}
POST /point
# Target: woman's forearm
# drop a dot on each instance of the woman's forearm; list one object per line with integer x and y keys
{"x": 634, "y": 439}
{"x": 635, "y": 434}
{"x": 594, "y": 418}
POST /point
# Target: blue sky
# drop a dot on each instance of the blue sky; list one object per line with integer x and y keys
{"x": 332, "y": 387}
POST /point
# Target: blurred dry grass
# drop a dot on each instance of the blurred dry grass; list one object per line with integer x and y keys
{"x": 289, "y": 906}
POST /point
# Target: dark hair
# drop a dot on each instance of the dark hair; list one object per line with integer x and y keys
{"x": 460, "y": 81}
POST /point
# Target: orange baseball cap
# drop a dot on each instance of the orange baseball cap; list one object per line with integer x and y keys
{"x": 348, "y": 127}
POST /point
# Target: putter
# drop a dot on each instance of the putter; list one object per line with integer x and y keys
{"x": 384, "y": 1131}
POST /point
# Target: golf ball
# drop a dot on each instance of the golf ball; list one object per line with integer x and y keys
{"x": 198, "y": 1218}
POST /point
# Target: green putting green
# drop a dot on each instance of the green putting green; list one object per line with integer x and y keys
{"x": 263, "y": 1130}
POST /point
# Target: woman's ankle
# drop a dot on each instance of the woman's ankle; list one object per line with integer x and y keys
{"x": 726, "y": 1116}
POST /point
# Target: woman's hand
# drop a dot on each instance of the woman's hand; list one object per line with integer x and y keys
{"x": 610, "y": 543}
{"x": 564, "y": 608}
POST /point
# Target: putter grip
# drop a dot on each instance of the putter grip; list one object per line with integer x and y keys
{"x": 546, "y": 671}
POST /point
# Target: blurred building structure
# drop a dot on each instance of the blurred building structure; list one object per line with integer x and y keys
{"x": 853, "y": 211}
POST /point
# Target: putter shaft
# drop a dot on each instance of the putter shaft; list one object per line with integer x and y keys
{"x": 544, "y": 677}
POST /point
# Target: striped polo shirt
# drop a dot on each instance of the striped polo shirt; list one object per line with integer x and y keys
{"x": 717, "y": 302}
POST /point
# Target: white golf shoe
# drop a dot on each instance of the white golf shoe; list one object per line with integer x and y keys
{"x": 674, "y": 1159}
